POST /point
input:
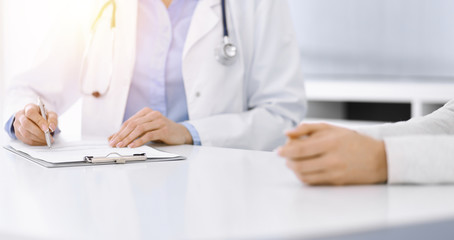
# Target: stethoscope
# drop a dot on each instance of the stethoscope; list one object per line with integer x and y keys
{"x": 83, "y": 70}
{"x": 226, "y": 53}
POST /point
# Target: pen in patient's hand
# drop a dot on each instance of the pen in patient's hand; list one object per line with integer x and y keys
{"x": 44, "y": 115}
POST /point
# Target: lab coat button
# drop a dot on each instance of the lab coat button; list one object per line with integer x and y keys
{"x": 197, "y": 94}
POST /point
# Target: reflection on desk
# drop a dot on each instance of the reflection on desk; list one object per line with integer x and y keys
{"x": 216, "y": 193}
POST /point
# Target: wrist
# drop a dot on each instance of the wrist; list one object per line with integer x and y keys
{"x": 188, "y": 137}
{"x": 381, "y": 161}
{"x": 186, "y": 134}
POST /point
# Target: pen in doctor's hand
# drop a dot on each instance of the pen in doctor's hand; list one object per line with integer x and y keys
{"x": 44, "y": 115}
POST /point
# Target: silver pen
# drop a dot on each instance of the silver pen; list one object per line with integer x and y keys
{"x": 44, "y": 114}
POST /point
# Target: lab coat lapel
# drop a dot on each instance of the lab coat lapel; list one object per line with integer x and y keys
{"x": 203, "y": 21}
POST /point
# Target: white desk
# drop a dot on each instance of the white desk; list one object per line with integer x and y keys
{"x": 216, "y": 193}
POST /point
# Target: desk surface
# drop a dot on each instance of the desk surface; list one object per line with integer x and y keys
{"x": 216, "y": 193}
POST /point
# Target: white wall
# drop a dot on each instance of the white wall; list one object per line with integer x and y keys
{"x": 25, "y": 28}
{"x": 376, "y": 37}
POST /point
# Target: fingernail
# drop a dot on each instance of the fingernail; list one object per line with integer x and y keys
{"x": 119, "y": 145}
{"x": 52, "y": 127}
{"x": 131, "y": 145}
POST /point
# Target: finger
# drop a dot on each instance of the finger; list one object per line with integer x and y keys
{"x": 314, "y": 165}
{"x": 141, "y": 130}
{"x": 52, "y": 119}
{"x": 306, "y": 129}
{"x": 28, "y": 138}
{"x": 125, "y": 130}
{"x": 32, "y": 112}
{"x": 135, "y": 119}
{"x": 18, "y": 129}
{"x": 319, "y": 178}
{"x": 19, "y": 135}
{"x": 29, "y": 129}
{"x": 302, "y": 148}
{"x": 143, "y": 112}
{"x": 111, "y": 139}
{"x": 147, "y": 137}
{"x": 22, "y": 133}
{"x": 131, "y": 124}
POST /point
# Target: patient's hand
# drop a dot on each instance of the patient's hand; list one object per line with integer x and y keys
{"x": 322, "y": 154}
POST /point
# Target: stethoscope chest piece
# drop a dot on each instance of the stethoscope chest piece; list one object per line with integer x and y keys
{"x": 227, "y": 52}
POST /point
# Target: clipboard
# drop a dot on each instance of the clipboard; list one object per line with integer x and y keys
{"x": 96, "y": 160}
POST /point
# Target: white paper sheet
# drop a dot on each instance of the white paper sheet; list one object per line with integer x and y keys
{"x": 76, "y": 151}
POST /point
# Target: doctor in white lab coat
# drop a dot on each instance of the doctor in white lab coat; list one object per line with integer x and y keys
{"x": 248, "y": 104}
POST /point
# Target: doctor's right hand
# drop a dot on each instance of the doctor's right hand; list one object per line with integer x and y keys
{"x": 30, "y": 126}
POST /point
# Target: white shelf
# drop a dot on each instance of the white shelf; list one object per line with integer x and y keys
{"x": 344, "y": 123}
{"x": 423, "y": 95}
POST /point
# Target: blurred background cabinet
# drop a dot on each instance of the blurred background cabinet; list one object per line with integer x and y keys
{"x": 384, "y": 60}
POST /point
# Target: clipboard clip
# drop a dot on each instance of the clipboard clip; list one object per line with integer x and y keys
{"x": 117, "y": 158}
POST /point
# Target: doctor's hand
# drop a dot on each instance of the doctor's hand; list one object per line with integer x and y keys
{"x": 148, "y": 125}
{"x": 30, "y": 126}
{"x": 322, "y": 154}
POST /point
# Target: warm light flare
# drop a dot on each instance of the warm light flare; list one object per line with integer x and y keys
{"x": 27, "y": 23}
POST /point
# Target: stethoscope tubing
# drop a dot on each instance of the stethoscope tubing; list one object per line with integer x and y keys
{"x": 224, "y": 19}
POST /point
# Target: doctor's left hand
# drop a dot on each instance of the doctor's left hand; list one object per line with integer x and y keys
{"x": 148, "y": 125}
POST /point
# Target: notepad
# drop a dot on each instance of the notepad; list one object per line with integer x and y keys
{"x": 75, "y": 153}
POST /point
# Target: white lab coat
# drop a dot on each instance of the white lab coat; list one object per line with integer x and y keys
{"x": 246, "y": 105}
